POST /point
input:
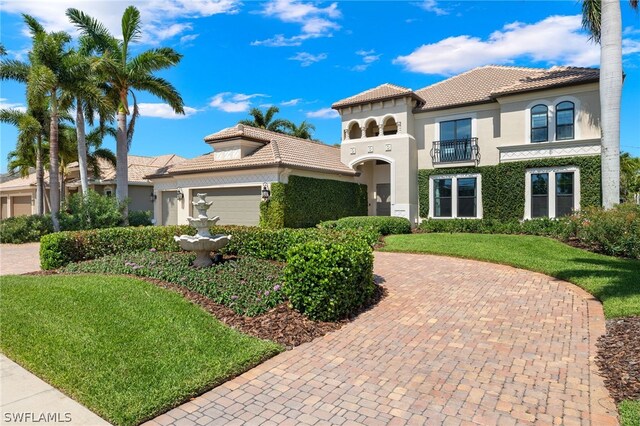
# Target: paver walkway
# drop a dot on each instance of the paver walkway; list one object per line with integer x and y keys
{"x": 454, "y": 342}
{"x": 19, "y": 258}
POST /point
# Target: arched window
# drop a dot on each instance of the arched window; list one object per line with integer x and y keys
{"x": 390, "y": 127}
{"x": 539, "y": 123}
{"x": 565, "y": 114}
{"x": 372, "y": 129}
{"x": 355, "y": 132}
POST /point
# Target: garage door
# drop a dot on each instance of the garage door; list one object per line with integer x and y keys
{"x": 169, "y": 208}
{"x": 235, "y": 206}
{"x": 4, "y": 213}
{"x": 21, "y": 205}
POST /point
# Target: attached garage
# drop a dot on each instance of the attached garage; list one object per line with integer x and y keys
{"x": 169, "y": 208}
{"x": 21, "y": 205}
{"x": 235, "y": 206}
{"x": 4, "y": 213}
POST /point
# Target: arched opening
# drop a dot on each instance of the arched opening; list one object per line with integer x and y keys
{"x": 390, "y": 127}
{"x": 355, "y": 132}
{"x": 377, "y": 177}
{"x": 372, "y": 129}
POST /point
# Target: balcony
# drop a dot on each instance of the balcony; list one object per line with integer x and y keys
{"x": 455, "y": 151}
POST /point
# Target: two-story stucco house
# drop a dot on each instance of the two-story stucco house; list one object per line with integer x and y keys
{"x": 494, "y": 142}
{"x": 484, "y": 117}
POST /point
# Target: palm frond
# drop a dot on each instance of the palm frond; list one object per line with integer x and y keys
{"x": 41, "y": 82}
{"x": 34, "y": 26}
{"x": 106, "y": 155}
{"x": 591, "y": 18}
{"x": 131, "y": 24}
{"x": 153, "y": 60}
{"x": 10, "y": 69}
{"x": 161, "y": 88}
{"x": 3, "y": 50}
{"x": 93, "y": 29}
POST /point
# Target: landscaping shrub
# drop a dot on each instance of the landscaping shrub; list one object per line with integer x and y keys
{"x": 25, "y": 229}
{"x": 140, "y": 218}
{"x": 93, "y": 211}
{"x": 328, "y": 281}
{"x": 503, "y": 185}
{"x": 248, "y": 286}
{"x": 614, "y": 232}
{"x": 304, "y": 202}
{"x": 384, "y": 225}
{"x": 59, "y": 249}
{"x": 558, "y": 228}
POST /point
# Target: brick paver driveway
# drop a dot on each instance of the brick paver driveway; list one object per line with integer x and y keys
{"x": 19, "y": 258}
{"x": 454, "y": 342}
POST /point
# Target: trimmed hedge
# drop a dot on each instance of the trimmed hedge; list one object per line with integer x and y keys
{"x": 558, "y": 228}
{"x": 304, "y": 202}
{"x": 503, "y": 185}
{"x": 343, "y": 254}
{"x": 384, "y": 225}
{"x": 25, "y": 229}
{"x": 328, "y": 281}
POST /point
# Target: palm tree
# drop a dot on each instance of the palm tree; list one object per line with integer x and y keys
{"x": 602, "y": 18}
{"x": 46, "y": 77}
{"x": 29, "y": 151}
{"x": 629, "y": 176}
{"x": 88, "y": 98}
{"x": 265, "y": 120}
{"x": 122, "y": 73}
{"x": 304, "y": 130}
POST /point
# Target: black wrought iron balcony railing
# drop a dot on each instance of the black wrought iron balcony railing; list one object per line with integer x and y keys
{"x": 455, "y": 151}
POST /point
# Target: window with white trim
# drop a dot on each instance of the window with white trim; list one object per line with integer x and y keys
{"x": 455, "y": 196}
{"x": 552, "y": 192}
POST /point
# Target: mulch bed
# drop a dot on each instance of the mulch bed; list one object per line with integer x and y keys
{"x": 619, "y": 358}
{"x": 281, "y": 324}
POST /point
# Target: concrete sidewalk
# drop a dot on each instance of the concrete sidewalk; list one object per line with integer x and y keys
{"x": 19, "y": 258}
{"x": 27, "y": 400}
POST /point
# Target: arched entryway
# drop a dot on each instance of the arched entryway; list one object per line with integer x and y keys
{"x": 377, "y": 173}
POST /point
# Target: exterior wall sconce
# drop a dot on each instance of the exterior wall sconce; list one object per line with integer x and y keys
{"x": 266, "y": 193}
{"x": 180, "y": 195}
{"x": 153, "y": 197}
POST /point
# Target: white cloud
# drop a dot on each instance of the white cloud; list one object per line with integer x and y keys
{"x": 11, "y": 105}
{"x": 188, "y": 38}
{"x": 159, "y": 17}
{"x": 306, "y": 58}
{"x": 630, "y": 31}
{"x": 314, "y": 21}
{"x": 432, "y": 6}
{"x": 233, "y": 102}
{"x": 569, "y": 45}
{"x": 368, "y": 58}
{"x": 292, "y": 102}
{"x": 160, "y": 110}
{"x": 323, "y": 113}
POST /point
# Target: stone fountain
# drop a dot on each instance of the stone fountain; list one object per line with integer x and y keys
{"x": 203, "y": 243}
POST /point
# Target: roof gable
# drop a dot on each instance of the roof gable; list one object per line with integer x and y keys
{"x": 384, "y": 91}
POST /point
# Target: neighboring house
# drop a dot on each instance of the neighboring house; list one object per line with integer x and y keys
{"x": 487, "y": 116}
{"x": 244, "y": 158}
{"x": 17, "y": 196}
{"x": 496, "y": 141}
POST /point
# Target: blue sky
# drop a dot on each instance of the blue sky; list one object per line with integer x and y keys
{"x": 303, "y": 56}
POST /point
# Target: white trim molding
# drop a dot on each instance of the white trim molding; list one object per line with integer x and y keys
{"x": 571, "y": 148}
{"x": 552, "y": 188}
{"x": 454, "y": 195}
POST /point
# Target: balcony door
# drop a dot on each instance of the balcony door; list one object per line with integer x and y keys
{"x": 455, "y": 140}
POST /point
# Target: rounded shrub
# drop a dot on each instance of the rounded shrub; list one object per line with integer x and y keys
{"x": 329, "y": 281}
{"x": 25, "y": 229}
{"x": 383, "y": 225}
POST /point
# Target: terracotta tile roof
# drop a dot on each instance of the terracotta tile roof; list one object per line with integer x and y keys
{"x": 278, "y": 150}
{"x": 139, "y": 167}
{"x": 556, "y": 76}
{"x": 23, "y": 183}
{"x": 384, "y": 91}
{"x": 473, "y": 86}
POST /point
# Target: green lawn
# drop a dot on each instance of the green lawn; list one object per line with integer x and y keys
{"x": 629, "y": 413}
{"x": 614, "y": 281}
{"x": 124, "y": 348}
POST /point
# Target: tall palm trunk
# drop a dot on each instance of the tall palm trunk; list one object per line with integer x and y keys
{"x": 82, "y": 148}
{"x": 610, "y": 96}
{"x": 122, "y": 166}
{"x": 39, "y": 178}
{"x": 54, "y": 182}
